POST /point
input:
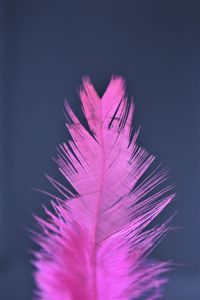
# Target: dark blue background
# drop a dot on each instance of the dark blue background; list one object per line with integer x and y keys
{"x": 47, "y": 46}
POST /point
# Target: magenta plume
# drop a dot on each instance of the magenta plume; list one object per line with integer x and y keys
{"x": 95, "y": 245}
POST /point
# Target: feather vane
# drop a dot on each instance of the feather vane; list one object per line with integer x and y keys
{"x": 95, "y": 246}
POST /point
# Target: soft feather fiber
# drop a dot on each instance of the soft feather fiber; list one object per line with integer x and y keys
{"x": 96, "y": 243}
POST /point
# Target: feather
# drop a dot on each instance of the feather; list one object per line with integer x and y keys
{"x": 96, "y": 243}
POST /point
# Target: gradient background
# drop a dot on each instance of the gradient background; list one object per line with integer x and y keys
{"x": 47, "y": 46}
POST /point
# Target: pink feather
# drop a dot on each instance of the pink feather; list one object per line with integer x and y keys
{"x": 95, "y": 246}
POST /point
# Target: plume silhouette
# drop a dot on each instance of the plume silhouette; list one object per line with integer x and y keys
{"x": 96, "y": 243}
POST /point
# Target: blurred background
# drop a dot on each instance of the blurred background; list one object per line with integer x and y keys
{"x": 46, "y": 47}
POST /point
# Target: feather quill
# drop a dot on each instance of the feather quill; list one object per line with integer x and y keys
{"x": 96, "y": 243}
